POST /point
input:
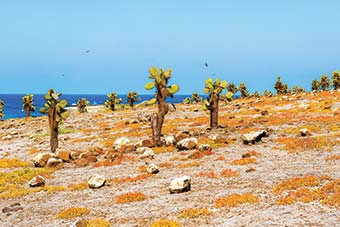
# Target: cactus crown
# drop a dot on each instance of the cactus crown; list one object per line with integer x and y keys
{"x": 160, "y": 81}
{"x": 133, "y": 95}
{"x": 53, "y": 102}
{"x": 214, "y": 87}
{"x": 27, "y": 102}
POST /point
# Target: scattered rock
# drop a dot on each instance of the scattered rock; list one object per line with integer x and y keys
{"x": 179, "y": 185}
{"x": 12, "y": 208}
{"x": 253, "y": 137}
{"x": 187, "y": 144}
{"x": 145, "y": 143}
{"x": 305, "y": 132}
{"x": 8, "y": 137}
{"x": 64, "y": 155}
{"x": 120, "y": 142}
{"x": 147, "y": 153}
{"x": 204, "y": 148}
{"x": 250, "y": 170}
{"x": 170, "y": 140}
{"x": 96, "y": 181}
{"x": 81, "y": 162}
{"x": 134, "y": 121}
{"x": 41, "y": 159}
{"x": 54, "y": 162}
{"x": 37, "y": 181}
{"x": 81, "y": 223}
{"x": 110, "y": 155}
{"x": 152, "y": 168}
{"x": 75, "y": 154}
{"x": 126, "y": 148}
{"x": 182, "y": 135}
{"x": 264, "y": 112}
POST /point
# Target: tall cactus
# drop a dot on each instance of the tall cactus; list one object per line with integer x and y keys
{"x": 132, "y": 97}
{"x": 336, "y": 79}
{"x": 55, "y": 108}
{"x": 2, "y": 104}
{"x": 160, "y": 83}
{"x": 213, "y": 89}
{"x": 82, "y": 105}
{"x": 112, "y": 101}
{"x": 315, "y": 85}
{"x": 324, "y": 82}
{"x": 27, "y": 104}
{"x": 243, "y": 90}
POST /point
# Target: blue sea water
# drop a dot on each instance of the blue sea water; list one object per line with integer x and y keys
{"x": 13, "y": 102}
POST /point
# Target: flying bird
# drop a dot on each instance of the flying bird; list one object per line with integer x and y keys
{"x": 206, "y": 64}
{"x": 62, "y": 74}
{"x": 88, "y": 51}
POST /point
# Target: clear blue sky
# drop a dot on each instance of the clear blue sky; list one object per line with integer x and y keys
{"x": 242, "y": 41}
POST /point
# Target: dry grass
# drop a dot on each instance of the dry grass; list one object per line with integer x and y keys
{"x": 194, "y": 212}
{"x": 11, "y": 163}
{"x": 130, "y": 197}
{"x": 166, "y": 223}
{"x": 244, "y": 161}
{"x": 235, "y": 200}
{"x": 73, "y": 212}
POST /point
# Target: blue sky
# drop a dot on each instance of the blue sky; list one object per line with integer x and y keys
{"x": 242, "y": 41}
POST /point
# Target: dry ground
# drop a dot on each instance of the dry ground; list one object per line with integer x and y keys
{"x": 295, "y": 180}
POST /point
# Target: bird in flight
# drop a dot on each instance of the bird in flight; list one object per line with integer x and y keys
{"x": 88, "y": 51}
{"x": 62, "y": 74}
{"x": 206, "y": 64}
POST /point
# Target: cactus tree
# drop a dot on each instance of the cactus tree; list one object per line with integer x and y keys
{"x": 336, "y": 79}
{"x": 213, "y": 89}
{"x": 196, "y": 97}
{"x": 55, "y": 108}
{"x": 112, "y": 101}
{"x": 82, "y": 105}
{"x": 2, "y": 104}
{"x": 315, "y": 85}
{"x": 27, "y": 104}
{"x": 243, "y": 90}
{"x": 324, "y": 82}
{"x": 163, "y": 90}
{"x": 132, "y": 97}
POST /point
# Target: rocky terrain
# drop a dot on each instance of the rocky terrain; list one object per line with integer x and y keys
{"x": 272, "y": 162}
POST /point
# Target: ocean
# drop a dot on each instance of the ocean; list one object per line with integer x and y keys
{"x": 13, "y": 102}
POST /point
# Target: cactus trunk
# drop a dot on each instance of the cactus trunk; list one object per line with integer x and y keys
{"x": 157, "y": 122}
{"x": 28, "y": 111}
{"x": 52, "y": 120}
{"x": 214, "y": 111}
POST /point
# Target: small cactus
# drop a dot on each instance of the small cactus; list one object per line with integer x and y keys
{"x": 27, "y": 104}
{"x": 132, "y": 97}
{"x": 159, "y": 82}
{"x": 336, "y": 79}
{"x": 187, "y": 100}
{"x": 196, "y": 98}
{"x": 214, "y": 89}
{"x": 256, "y": 94}
{"x": 267, "y": 93}
{"x": 315, "y": 85}
{"x": 82, "y": 105}
{"x": 112, "y": 101}
{"x": 2, "y": 104}
{"x": 55, "y": 108}
{"x": 243, "y": 90}
{"x": 297, "y": 90}
{"x": 324, "y": 82}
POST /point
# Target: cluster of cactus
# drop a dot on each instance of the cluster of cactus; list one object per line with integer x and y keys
{"x": 256, "y": 94}
{"x": 281, "y": 88}
{"x": 132, "y": 97}
{"x": 82, "y": 105}
{"x": 27, "y": 104}
{"x": 214, "y": 90}
{"x": 55, "y": 108}
{"x": 267, "y": 93}
{"x": 2, "y": 104}
{"x": 112, "y": 101}
{"x": 159, "y": 82}
{"x": 297, "y": 90}
{"x": 325, "y": 83}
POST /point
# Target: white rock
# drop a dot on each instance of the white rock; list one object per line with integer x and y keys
{"x": 37, "y": 181}
{"x": 120, "y": 142}
{"x": 152, "y": 168}
{"x": 170, "y": 140}
{"x": 304, "y": 132}
{"x": 40, "y": 160}
{"x": 253, "y": 137}
{"x": 53, "y": 162}
{"x": 8, "y": 137}
{"x": 148, "y": 153}
{"x": 96, "y": 181}
{"x": 181, "y": 184}
{"x": 187, "y": 144}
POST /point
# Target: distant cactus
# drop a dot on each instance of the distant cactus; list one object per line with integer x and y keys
{"x": 336, "y": 79}
{"x": 243, "y": 89}
{"x": 2, "y": 104}
{"x": 267, "y": 93}
{"x": 132, "y": 97}
{"x": 112, "y": 101}
{"x": 315, "y": 85}
{"x": 82, "y": 105}
{"x": 196, "y": 98}
{"x": 160, "y": 83}
{"x": 256, "y": 94}
{"x": 297, "y": 90}
{"x": 187, "y": 100}
{"x": 324, "y": 82}
{"x": 214, "y": 90}
{"x": 56, "y": 111}
{"x": 281, "y": 88}
{"x": 27, "y": 104}
{"x": 232, "y": 88}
